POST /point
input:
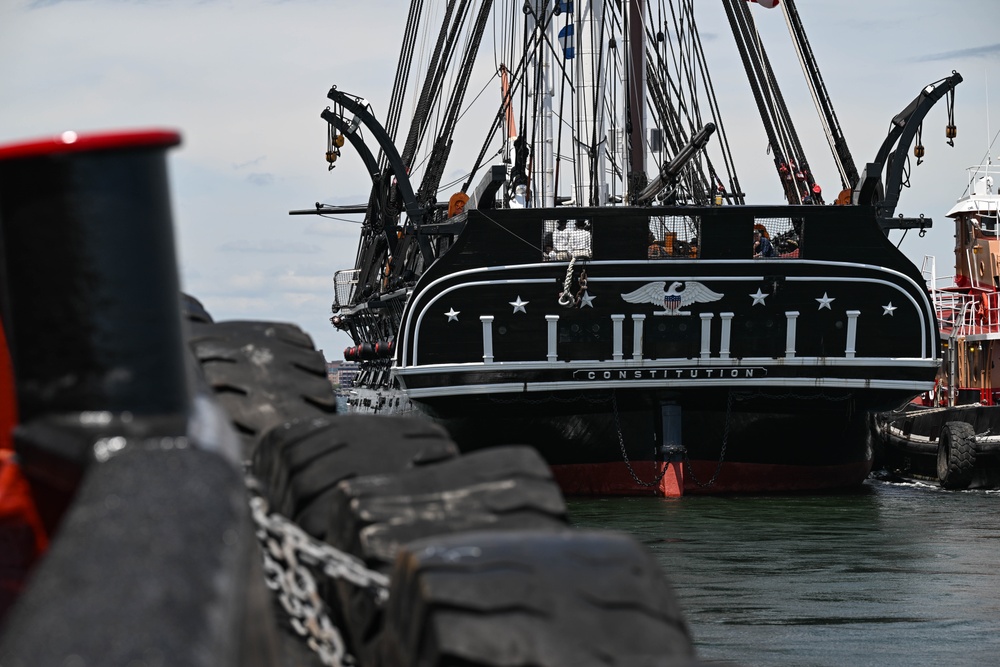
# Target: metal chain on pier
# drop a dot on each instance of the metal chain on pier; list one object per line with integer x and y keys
{"x": 291, "y": 557}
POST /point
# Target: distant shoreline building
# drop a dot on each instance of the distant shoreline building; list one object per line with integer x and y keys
{"x": 341, "y": 373}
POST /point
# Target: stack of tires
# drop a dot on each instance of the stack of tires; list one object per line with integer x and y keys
{"x": 482, "y": 564}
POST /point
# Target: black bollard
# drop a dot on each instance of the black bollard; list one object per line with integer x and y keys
{"x": 154, "y": 531}
{"x": 90, "y": 296}
{"x": 91, "y": 286}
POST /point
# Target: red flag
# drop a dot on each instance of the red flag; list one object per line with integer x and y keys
{"x": 770, "y": 4}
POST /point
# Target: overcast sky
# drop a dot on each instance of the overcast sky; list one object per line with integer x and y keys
{"x": 244, "y": 81}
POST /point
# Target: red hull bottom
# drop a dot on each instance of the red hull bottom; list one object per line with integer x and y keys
{"x": 673, "y": 480}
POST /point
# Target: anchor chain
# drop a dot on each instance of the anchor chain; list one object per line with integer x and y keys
{"x": 621, "y": 443}
{"x": 291, "y": 557}
{"x": 582, "y": 282}
{"x": 722, "y": 452}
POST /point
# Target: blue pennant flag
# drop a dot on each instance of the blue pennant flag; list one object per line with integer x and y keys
{"x": 566, "y": 41}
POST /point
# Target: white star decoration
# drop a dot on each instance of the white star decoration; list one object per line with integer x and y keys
{"x": 887, "y": 310}
{"x": 452, "y": 315}
{"x": 825, "y": 301}
{"x": 586, "y": 299}
{"x": 758, "y": 298}
{"x": 519, "y": 305}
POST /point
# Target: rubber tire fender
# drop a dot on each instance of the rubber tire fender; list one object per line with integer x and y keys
{"x": 262, "y": 373}
{"x": 299, "y": 463}
{"x": 500, "y": 488}
{"x": 956, "y": 455}
{"x": 532, "y": 598}
{"x": 193, "y": 310}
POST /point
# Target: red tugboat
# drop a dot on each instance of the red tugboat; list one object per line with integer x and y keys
{"x": 952, "y": 433}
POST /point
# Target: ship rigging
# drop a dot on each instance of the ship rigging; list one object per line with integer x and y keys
{"x": 594, "y": 282}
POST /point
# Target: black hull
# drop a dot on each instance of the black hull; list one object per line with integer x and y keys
{"x": 908, "y": 440}
{"x": 752, "y": 443}
{"x": 757, "y": 377}
{"x": 712, "y": 441}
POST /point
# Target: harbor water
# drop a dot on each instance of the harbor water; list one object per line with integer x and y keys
{"x": 890, "y": 574}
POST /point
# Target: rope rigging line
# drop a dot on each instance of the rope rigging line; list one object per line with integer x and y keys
{"x": 622, "y": 57}
{"x": 676, "y": 107}
{"x": 685, "y": 72}
{"x": 542, "y": 40}
{"x": 536, "y": 97}
{"x": 740, "y": 22}
{"x": 762, "y": 71}
{"x": 594, "y": 138}
{"x": 536, "y": 45}
{"x": 679, "y": 56}
{"x": 450, "y": 184}
{"x": 699, "y": 179}
{"x": 723, "y": 140}
{"x": 795, "y": 149}
{"x": 838, "y": 144}
{"x": 558, "y": 143}
{"x": 442, "y": 147}
{"x": 476, "y": 98}
{"x": 515, "y": 235}
{"x": 523, "y": 115}
{"x": 673, "y": 134}
{"x": 677, "y": 94}
{"x": 446, "y": 78}
{"x": 429, "y": 92}
{"x": 516, "y": 77}
{"x": 453, "y": 109}
{"x": 402, "y": 75}
{"x": 612, "y": 155}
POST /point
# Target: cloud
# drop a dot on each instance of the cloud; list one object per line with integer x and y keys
{"x": 334, "y": 226}
{"x": 280, "y": 283}
{"x": 292, "y": 282}
{"x": 269, "y": 246}
{"x": 988, "y": 52}
{"x": 250, "y": 163}
{"x": 244, "y": 282}
{"x": 239, "y": 305}
{"x": 260, "y": 179}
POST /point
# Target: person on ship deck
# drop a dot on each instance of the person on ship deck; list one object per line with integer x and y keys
{"x": 762, "y": 246}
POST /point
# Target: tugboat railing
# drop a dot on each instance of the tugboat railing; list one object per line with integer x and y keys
{"x": 959, "y": 312}
{"x": 973, "y": 316}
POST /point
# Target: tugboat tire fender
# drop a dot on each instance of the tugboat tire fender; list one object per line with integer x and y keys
{"x": 956, "y": 456}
